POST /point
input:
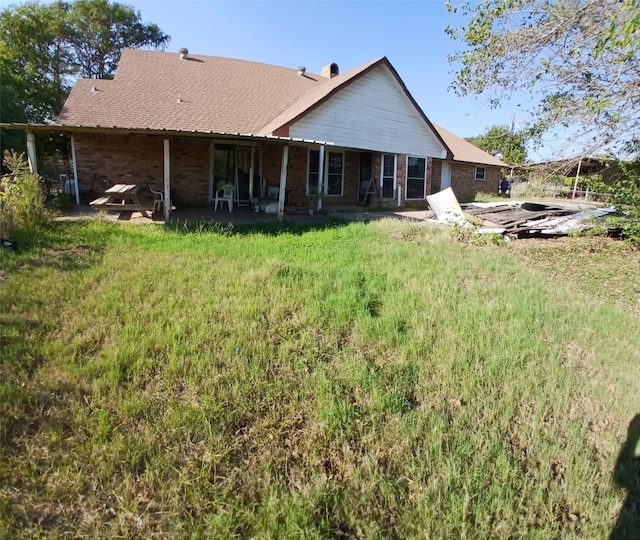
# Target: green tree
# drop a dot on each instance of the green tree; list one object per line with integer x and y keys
{"x": 11, "y": 109}
{"x": 510, "y": 144}
{"x": 35, "y": 60}
{"x": 45, "y": 47}
{"x": 579, "y": 59}
{"x": 101, "y": 30}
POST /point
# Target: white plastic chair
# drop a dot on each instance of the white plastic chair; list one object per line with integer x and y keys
{"x": 227, "y": 195}
{"x": 158, "y": 199}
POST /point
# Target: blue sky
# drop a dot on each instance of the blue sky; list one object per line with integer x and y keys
{"x": 411, "y": 34}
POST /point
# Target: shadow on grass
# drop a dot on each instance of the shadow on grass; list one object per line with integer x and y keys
{"x": 62, "y": 235}
{"x": 265, "y": 229}
{"x": 626, "y": 474}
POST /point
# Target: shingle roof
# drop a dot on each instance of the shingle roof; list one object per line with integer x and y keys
{"x": 465, "y": 151}
{"x": 155, "y": 90}
{"x": 218, "y": 95}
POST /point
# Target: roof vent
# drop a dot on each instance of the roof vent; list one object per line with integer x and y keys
{"x": 184, "y": 53}
{"x": 330, "y": 71}
{"x": 302, "y": 70}
{"x": 180, "y": 100}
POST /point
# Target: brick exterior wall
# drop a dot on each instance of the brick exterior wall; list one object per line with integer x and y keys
{"x": 297, "y": 174}
{"x": 351, "y": 180}
{"x": 436, "y": 176}
{"x": 104, "y": 160}
{"x": 296, "y": 170}
{"x": 189, "y": 170}
{"x": 271, "y": 161}
{"x": 401, "y": 180}
{"x": 463, "y": 182}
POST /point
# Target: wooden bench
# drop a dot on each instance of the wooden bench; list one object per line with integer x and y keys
{"x": 99, "y": 203}
{"x": 121, "y": 207}
{"x": 121, "y": 198}
{"x": 105, "y": 203}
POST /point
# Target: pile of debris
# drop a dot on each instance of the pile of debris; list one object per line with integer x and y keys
{"x": 521, "y": 219}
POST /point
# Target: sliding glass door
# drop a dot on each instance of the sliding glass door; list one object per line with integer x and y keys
{"x": 231, "y": 164}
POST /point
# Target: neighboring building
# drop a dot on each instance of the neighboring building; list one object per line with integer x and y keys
{"x": 189, "y": 123}
{"x": 471, "y": 170}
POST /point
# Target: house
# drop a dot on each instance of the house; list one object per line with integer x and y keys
{"x": 469, "y": 171}
{"x": 188, "y": 124}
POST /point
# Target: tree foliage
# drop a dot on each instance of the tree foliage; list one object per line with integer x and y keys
{"x": 36, "y": 59}
{"x": 579, "y": 59}
{"x": 510, "y": 144}
{"x": 100, "y": 30}
{"x": 44, "y": 47}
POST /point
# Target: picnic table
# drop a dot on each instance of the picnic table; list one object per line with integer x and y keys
{"x": 121, "y": 198}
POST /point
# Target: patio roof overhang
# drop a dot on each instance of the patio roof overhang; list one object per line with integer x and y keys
{"x": 115, "y": 130}
{"x": 166, "y": 134}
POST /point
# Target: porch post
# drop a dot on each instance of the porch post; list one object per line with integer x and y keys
{"x": 31, "y": 152}
{"x": 575, "y": 184}
{"x": 283, "y": 181}
{"x": 75, "y": 169}
{"x": 167, "y": 181}
{"x": 253, "y": 150}
{"x": 320, "y": 178}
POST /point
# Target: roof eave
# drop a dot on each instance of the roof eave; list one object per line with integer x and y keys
{"x": 71, "y": 129}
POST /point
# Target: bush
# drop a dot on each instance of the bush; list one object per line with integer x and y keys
{"x": 61, "y": 201}
{"x": 625, "y": 193}
{"x": 21, "y": 198}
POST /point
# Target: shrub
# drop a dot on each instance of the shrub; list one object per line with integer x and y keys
{"x": 61, "y": 201}
{"x": 625, "y": 193}
{"x": 21, "y": 198}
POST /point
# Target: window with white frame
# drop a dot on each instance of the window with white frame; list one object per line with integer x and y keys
{"x": 313, "y": 171}
{"x": 416, "y": 177}
{"x": 333, "y": 172}
{"x": 480, "y": 173}
{"x": 388, "y": 176}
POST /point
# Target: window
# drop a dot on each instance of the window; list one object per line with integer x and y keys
{"x": 416, "y": 177}
{"x": 333, "y": 175}
{"x": 480, "y": 173}
{"x": 388, "y": 179}
{"x": 335, "y": 167}
{"x": 224, "y": 164}
{"x": 313, "y": 172}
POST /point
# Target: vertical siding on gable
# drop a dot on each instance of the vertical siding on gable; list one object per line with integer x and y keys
{"x": 372, "y": 113}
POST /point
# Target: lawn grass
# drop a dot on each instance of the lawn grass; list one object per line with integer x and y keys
{"x": 357, "y": 380}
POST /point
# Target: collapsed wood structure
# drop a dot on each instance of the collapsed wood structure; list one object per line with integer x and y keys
{"x": 521, "y": 219}
{"x": 528, "y": 219}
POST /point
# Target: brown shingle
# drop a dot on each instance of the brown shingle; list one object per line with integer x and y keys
{"x": 465, "y": 151}
{"x": 218, "y": 95}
